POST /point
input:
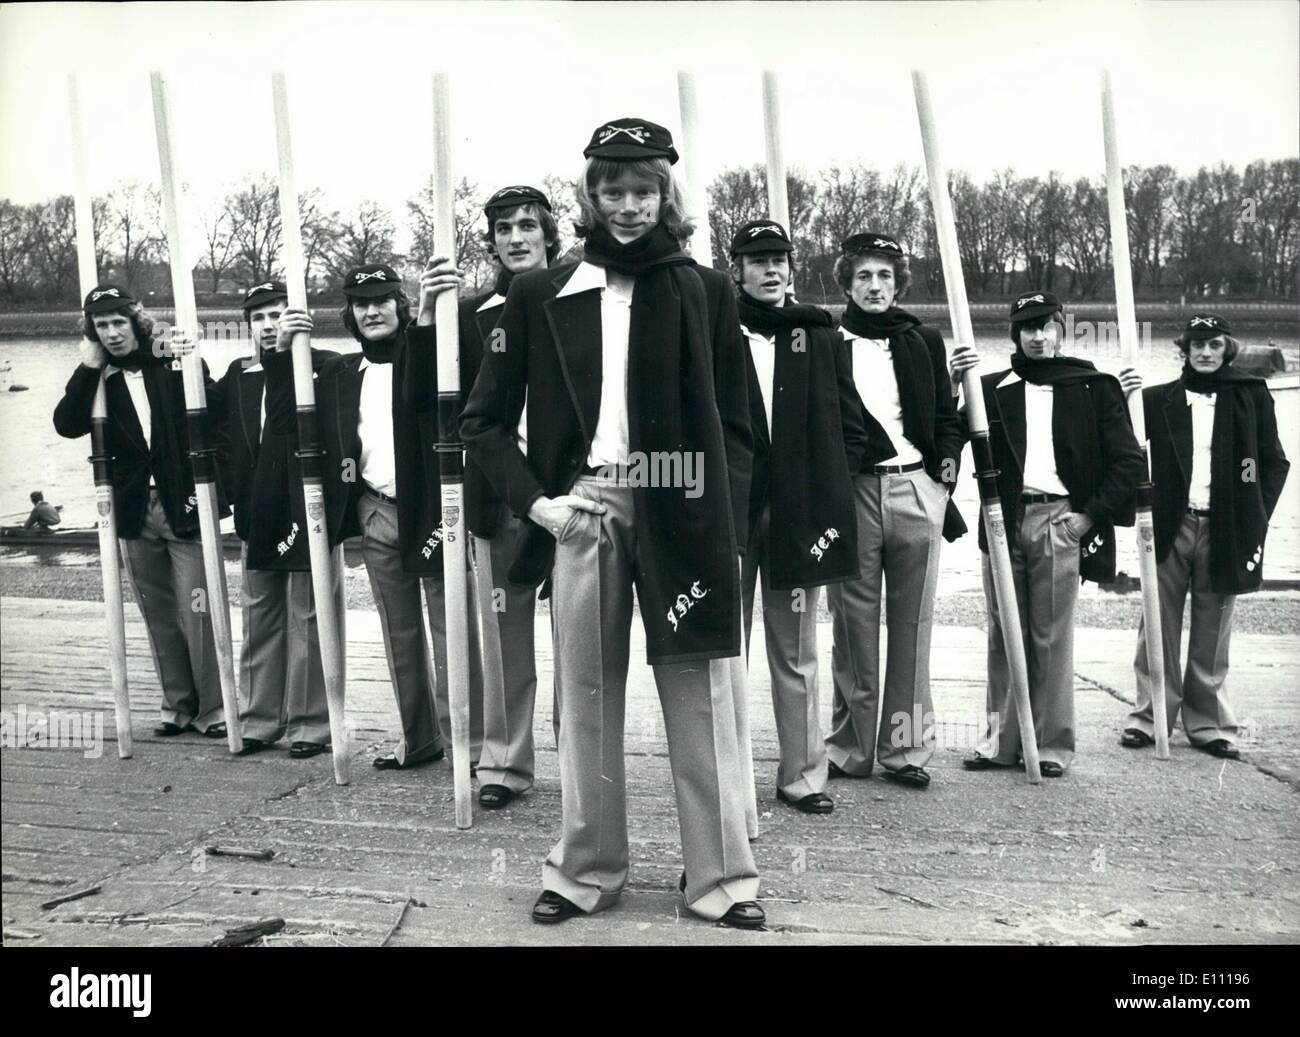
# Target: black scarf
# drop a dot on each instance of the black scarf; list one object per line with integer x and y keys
{"x": 1055, "y": 370}
{"x": 383, "y": 351}
{"x": 141, "y": 357}
{"x": 275, "y": 495}
{"x": 1232, "y": 441}
{"x": 895, "y": 325}
{"x": 688, "y": 542}
{"x": 649, "y": 252}
{"x": 502, "y": 283}
{"x": 894, "y": 321}
{"x": 1226, "y": 377}
{"x": 767, "y": 319}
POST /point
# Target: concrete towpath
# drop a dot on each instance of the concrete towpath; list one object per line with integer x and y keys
{"x": 1125, "y": 849}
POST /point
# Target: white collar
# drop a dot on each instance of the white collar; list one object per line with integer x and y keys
{"x": 586, "y": 277}
{"x": 756, "y": 334}
{"x": 137, "y": 373}
{"x": 850, "y": 336}
{"x": 496, "y": 299}
{"x": 1010, "y": 378}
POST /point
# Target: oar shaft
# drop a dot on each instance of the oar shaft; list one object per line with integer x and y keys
{"x": 693, "y": 163}
{"x": 451, "y": 458}
{"x": 999, "y": 551}
{"x": 326, "y": 573}
{"x": 778, "y": 202}
{"x": 1126, "y": 316}
{"x": 201, "y": 452}
{"x": 100, "y": 459}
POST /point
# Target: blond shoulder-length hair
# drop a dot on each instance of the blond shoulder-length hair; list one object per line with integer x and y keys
{"x": 672, "y": 204}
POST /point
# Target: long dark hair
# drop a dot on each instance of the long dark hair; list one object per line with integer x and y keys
{"x": 141, "y": 324}
{"x": 403, "y": 311}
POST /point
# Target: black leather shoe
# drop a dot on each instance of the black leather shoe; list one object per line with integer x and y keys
{"x": 745, "y": 915}
{"x": 1050, "y": 769}
{"x": 551, "y": 908}
{"x": 816, "y": 803}
{"x": 253, "y": 745}
{"x": 1135, "y": 739}
{"x": 390, "y": 762}
{"x": 304, "y": 750}
{"x": 979, "y": 763}
{"x": 916, "y": 777}
{"x": 217, "y": 730}
{"x": 169, "y": 730}
{"x": 494, "y": 797}
{"x": 1221, "y": 748}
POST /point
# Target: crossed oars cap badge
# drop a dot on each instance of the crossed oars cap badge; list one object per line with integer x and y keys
{"x": 631, "y": 139}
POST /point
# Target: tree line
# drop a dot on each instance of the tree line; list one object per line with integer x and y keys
{"x": 1218, "y": 232}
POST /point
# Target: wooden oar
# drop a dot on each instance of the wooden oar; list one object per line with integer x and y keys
{"x": 1126, "y": 315}
{"x": 737, "y": 665}
{"x": 110, "y": 565}
{"x": 693, "y": 167}
{"x": 778, "y": 204}
{"x": 985, "y": 472}
{"x": 196, "y": 412}
{"x": 329, "y": 624}
{"x": 451, "y": 457}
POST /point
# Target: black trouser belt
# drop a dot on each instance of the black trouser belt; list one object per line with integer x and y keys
{"x": 605, "y": 471}
{"x": 897, "y": 469}
{"x": 1198, "y": 512}
{"x": 1042, "y": 498}
{"x": 375, "y": 493}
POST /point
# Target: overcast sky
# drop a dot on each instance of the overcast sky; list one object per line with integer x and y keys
{"x": 1013, "y": 84}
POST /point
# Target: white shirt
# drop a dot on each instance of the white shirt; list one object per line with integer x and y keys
{"x": 494, "y": 300}
{"x": 261, "y": 418}
{"x": 609, "y": 443}
{"x": 140, "y": 401}
{"x": 1040, "y": 449}
{"x": 1198, "y": 485}
{"x": 873, "y": 375}
{"x": 375, "y": 429}
{"x": 763, "y": 350}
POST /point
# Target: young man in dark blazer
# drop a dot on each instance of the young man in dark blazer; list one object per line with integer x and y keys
{"x": 153, "y": 497}
{"x": 524, "y": 236}
{"x": 901, "y": 487}
{"x": 279, "y": 662}
{"x": 1067, "y": 466}
{"x": 630, "y": 359}
{"x": 808, "y": 436}
{"x": 385, "y": 487}
{"x": 1218, "y": 471}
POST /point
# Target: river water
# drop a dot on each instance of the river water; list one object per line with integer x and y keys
{"x": 33, "y": 456}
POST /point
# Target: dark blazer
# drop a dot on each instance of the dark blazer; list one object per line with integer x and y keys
{"x": 1097, "y": 458}
{"x": 1238, "y": 527}
{"x": 935, "y": 430}
{"x": 418, "y": 371}
{"x": 802, "y": 468}
{"x": 238, "y": 405}
{"x": 419, "y": 488}
{"x": 552, "y": 352}
{"x": 166, "y": 457}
